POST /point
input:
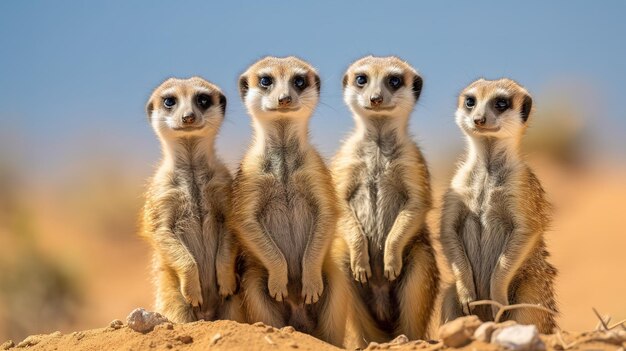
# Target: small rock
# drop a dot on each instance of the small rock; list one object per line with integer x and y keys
{"x": 185, "y": 339}
{"x": 293, "y": 345}
{"x": 399, "y": 340}
{"x": 259, "y": 324}
{"x": 269, "y": 340}
{"x": 216, "y": 338}
{"x": 7, "y": 345}
{"x": 288, "y": 329}
{"x": 518, "y": 338}
{"x": 268, "y": 330}
{"x": 144, "y": 321}
{"x": 116, "y": 324}
{"x": 459, "y": 332}
{"x": 29, "y": 341}
{"x": 56, "y": 334}
{"x": 168, "y": 345}
{"x": 483, "y": 333}
{"x": 78, "y": 335}
{"x": 165, "y": 326}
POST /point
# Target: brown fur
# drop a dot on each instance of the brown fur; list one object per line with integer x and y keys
{"x": 284, "y": 209}
{"x": 495, "y": 213}
{"x": 187, "y": 202}
{"x": 384, "y": 188}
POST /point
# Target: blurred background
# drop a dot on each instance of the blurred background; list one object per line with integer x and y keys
{"x": 76, "y": 149}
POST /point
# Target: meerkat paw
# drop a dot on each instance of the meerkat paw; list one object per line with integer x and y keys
{"x": 191, "y": 290}
{"x": 361, "y": 270}
{"x": 312, "y": 288}
{"x": 393, "y": 266}
{"x": 277, "y": 285}
{"x": 227, "y": 282}
{"x": 465, "y": 298}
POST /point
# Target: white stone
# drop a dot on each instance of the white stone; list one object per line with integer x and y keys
{"x": 144, "y": 321}
{"x": 519, "y": 338}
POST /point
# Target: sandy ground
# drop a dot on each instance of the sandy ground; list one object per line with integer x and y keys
{"x": 228, "y": 335}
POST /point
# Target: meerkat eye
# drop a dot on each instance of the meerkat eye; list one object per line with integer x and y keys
{"x": 203, "y": 101}
{"x": 395, "y": 82}
{"x": 299, "y": 82}
{"x": 470, "y": 102}
{"x": 361, "y": 80}
{"x": 169, "y": 102}
{"x": 501, "y": 104}
{"x": 265, "y": 81}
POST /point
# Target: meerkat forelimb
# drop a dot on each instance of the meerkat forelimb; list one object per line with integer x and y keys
{"x": 284, "y": 208}
{"x": 495, "y": 212}
{"x": 383, "y": 186}
{"x": 187, "y": 202}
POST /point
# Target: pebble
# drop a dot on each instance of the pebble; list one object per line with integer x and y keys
{"x": 268, "y": 330}
{"x": 144, "y": 321}
{"x": 399, "y": 340}
{"x": 185, "y": 339}
{"x": 259, "y": 324}
{"x": 116, "y": 324}
{"x": 7, "y": 345}
{"x": 518, "y": 338}
{"x": 269, "y": 340}
{"x": 288, "y": 329}
{"x": 29, "y": 341}
{"x": 483, "y": 333}
{"x": 293, "y": 345}
{"x": 459, "y": 332}
{"x": 216, "y": 338}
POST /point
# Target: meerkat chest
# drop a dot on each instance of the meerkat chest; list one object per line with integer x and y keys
{"x": 193, "y": 187}
{"x": 380, "y": 191}
{"x": 490, "y": 205}
{"x": 288, "y": 207}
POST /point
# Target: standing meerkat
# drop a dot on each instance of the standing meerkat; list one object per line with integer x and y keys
{"x": 187, "y": 202}
{"x": 495, "y": 212}
{"x": 284, "y": 206}
{"x": 384, "y": 193}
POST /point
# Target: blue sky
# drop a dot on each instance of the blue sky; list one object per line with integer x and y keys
{"x": 75, "y": 76}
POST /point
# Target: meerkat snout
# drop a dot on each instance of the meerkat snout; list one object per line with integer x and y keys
{"x": 284, "y": 100}
{"x": 189, "y": 118}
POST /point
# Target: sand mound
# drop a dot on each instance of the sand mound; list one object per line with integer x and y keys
{"x": 228, "y": 335}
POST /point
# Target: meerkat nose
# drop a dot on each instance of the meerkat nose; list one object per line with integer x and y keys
{"x": 284, "y": 100}
{"x": 376, "y": 100}
{"x": 480, "y": 121}
{"x": 189, "y": 118}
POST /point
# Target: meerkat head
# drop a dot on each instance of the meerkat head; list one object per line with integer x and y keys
{"x": 498, "y": 108}
{"x": 186, "y": 107}
{"x": 381, "y": 86}
{"x": 276, "y": 87}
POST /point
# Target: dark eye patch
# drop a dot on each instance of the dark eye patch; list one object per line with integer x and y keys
{"x": 360, "y": 80}
{"x": 470, "y": 102}
{"x": 204, "y": 101}
{"x": 265, "y": 81}
{"x": 300, "y": 82}
{"x": 395, "y": 82}
{"x": 169, "y": 102}
{"x": 501, "y": 103}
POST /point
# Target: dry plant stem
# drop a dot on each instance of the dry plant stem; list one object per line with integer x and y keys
{"x": 503, "y": 308}
{"x": 608, "y": 319}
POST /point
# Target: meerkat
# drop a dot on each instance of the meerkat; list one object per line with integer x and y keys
{"x": 187, "y": 203}
{"x": 383, "y": 185}
{"x": 495, "y": 212}
{"x": 284, "y": 206}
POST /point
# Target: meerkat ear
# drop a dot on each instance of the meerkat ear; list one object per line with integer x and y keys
{"x": 243, "y": 86}
{"x": 223, "y": 103}
{"x": 418, "y": 82}
{"x": 345, "y": 80}
{"x": 318, "y": 83}
{"x": 149, "y": 109}
{"x": 527, "y": 106}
